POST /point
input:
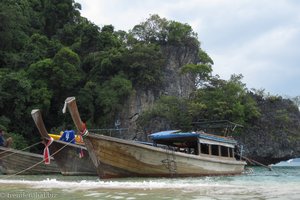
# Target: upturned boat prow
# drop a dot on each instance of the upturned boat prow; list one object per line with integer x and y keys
{"x": 38, "y": 120}
{"x": 72, "y": 107}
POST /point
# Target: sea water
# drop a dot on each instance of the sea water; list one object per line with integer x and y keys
{"x": 259, "y": 183}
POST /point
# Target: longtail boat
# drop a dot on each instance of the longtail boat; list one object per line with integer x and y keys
{"x": 65, "y": 154}
{"x": 172, "y": 153}
{"x": 14, "y": 161}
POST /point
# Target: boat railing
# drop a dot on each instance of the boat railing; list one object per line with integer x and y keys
{"x": 218, "y": 127}
{"x": 112, "y": 132}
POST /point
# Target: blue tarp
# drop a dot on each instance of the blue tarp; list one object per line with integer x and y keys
{"x": 172, "y": 134}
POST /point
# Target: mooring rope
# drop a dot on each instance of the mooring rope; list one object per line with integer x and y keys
{"x": 251, "y": 161}
{"x": 28, "y": 168}
{"x": 9, "y": 150}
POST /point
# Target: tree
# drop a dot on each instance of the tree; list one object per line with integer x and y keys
{"x": 13, "y": 34}
{"x": 108, "y": 38}
{"x": 38, "y": 48}
{"x": 39, "y": 72}
{"x": 58, "y": 13}
{"x": 111, "y": 97}
{"x": 66, "y": 70}
{"x": 102, "y": 102}
{"x": 19, "y": 95}
{"x": 86, "y": 101}
{"x": 161, "y": 31}
{"x": 225, "y": 100}
{"x": 89, "y": 38}
{"x": 201, "y": 71}
{"x": 144, "y": 63}
{"x": 154, "y": 29}
{"x": 182, "y": 34}
{"x": 172, "y": 110}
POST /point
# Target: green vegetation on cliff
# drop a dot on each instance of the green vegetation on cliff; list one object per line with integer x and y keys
{"x": 216, "y": 100}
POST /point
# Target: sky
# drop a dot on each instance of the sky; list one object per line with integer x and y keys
{"x": 259, "y": 39}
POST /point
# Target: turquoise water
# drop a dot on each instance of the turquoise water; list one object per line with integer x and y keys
{"x": 281, "y": 183}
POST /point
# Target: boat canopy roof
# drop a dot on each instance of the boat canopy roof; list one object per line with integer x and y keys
{"x": 172, "y": 134}
{"x": 177, "y": 135}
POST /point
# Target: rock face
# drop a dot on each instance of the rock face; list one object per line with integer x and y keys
{"x": 174, "y": 84}
{"x": 275, "y": 136}
{"x": 272, "y": 138}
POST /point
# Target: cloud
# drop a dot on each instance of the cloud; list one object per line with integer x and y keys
{"x": 269, "y": 61}
{"x": 258, "y": 38}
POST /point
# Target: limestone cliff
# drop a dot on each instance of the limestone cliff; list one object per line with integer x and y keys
{"x": 275, "y": 136}
{"x": 174, "y": 84}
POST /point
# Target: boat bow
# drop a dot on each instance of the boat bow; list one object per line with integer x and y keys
{"x": 38, "y": 120}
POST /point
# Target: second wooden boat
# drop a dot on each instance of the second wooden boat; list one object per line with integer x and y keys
{"x": 66, "y": 154}
{"x": 14, "y": 161}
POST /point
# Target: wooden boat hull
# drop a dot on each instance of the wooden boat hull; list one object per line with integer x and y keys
{"x": 68, "y": 160}
{"x": 66, "y": 154}
{"x": 116, "y": 158}
{"x": 121, "y": 158}
{"x": 13, "y": 161}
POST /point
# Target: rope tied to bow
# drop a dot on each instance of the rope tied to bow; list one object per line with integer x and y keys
{"x": 47, "y": 152}
{"x": 83, "y": 133}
